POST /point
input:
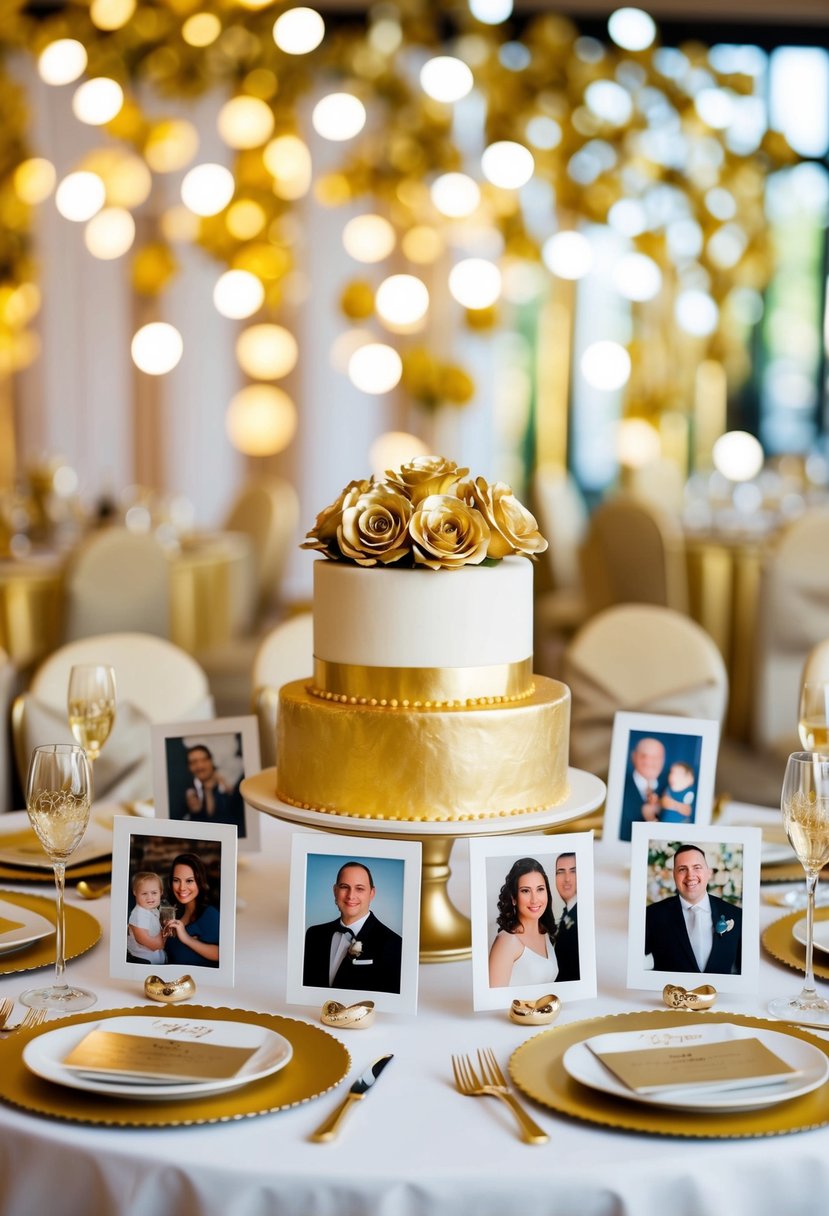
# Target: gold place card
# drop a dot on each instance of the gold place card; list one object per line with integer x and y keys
{"x": 727, "y": 1064}
{"x": 143, "y": 1058}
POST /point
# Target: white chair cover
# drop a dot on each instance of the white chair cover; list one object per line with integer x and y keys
{"x": 155, "y": 682}
{"x": 634, "y": 554}
{"x": 268, "y": 511}
{"x": 793, "y": 617}
{"x": 7, "y": 678}
{"x": 118, "y": 580}
{"x": 285, "y": 654}
{"x": 641, "y": 658}
{"x": 816, "y": 667}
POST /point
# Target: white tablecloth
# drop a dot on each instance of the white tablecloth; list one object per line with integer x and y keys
{"x": 415, "y": 1146}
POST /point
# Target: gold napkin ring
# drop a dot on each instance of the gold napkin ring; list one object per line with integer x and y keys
{"x": 169, "y": 992}
{"x": 676, "y": 997}
{"x": 348, "y": 1017}
{"x": 535, "y": 1013}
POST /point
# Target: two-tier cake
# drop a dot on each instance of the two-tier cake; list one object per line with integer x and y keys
{"x": 422, "y": 704}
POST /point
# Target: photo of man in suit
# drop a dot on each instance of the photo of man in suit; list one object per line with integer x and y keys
{"x": 356, "y": 950}
{"x": 644, "y": 785}
{"x": 567, "y": 934}
{"x": 694, "y": 930}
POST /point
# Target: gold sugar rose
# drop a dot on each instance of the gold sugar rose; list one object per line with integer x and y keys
{"x": 375, "y": 527}
{"x": 448, "y": 533}
{"x": 426, "y": 475}
{"x": 513, "y": 529}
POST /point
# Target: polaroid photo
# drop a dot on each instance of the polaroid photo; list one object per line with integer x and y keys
{"x": 354, "y": 921}
{"x": 662, "y": 771}
{"x": 532, "y": 885}
{"x": 198, "y": 768}
{"x": 694, "y": 912}
{"x": 173, "y": 900}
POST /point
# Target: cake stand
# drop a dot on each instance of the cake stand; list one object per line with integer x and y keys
{"x": 445, "y": 933}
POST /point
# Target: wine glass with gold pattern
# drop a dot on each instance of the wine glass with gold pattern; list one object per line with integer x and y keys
{"x": 805, "y": 806}
{"x": 91, "y": 706}
{"x": 813, "y": 716}
{"x": 58, "y": 796}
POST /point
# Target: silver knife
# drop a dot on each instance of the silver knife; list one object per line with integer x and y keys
{"x": 329, "y": 1128}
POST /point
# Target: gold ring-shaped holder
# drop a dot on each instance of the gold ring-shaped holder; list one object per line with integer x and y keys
{"x": 348, "y": 1017}
{"x": 535, "y": 1013}
{"x": 676, "y": 997}
{"x": 169, "y": 992}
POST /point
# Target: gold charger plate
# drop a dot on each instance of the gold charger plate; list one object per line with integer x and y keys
{"x": 536, "y": 1068}
{"x": 28, "y": 874}
{"x": 787, "y": 872}
{"x": 780, "y": 943}
{"x": 82, "y": 932}
{"x": 319, "y": 1063}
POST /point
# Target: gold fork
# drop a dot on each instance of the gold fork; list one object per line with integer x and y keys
{"x": 32, "y": 1018}
{"x": 494, "y": 1083}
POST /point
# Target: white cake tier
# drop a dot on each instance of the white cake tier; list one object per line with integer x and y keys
{"x": 382, "y": 617}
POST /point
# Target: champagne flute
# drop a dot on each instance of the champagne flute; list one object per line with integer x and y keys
{"x": 58, "y": 794}
{"x": 813, "y": 718}
{"x": 91, "y": 706}
{"x": 805, "y": 805}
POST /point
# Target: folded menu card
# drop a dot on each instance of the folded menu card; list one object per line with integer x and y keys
{"x": 141, "y": 1058}
{"x": 726, "y": 1064}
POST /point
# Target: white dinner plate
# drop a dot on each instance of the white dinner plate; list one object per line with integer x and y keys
{"x": 582, "y": 1065}
{"x": 44, "y": 1055}
{"x": 821, "y": 935}
{"x": 775, "y": 849}
{"x": 28, "y": 927}
{"x": 97, "y": 842}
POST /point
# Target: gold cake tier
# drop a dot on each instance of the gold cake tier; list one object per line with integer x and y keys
{"x": 434, "y": 764}
{"x": 419, "y": 687}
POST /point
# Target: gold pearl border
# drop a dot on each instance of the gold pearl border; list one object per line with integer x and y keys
{"x": 342, "y": 698}
{"x": 328, "y": 810}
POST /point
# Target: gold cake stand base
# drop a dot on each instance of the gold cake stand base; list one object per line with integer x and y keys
{"x": 445, "y": 933}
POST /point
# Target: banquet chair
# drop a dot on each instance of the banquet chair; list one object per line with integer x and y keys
{"x": 8, "y": 674}
{"x": 643, "y": 658}
{"x": 268, "y": 512}
{"x": 155, "y": 682}
{"x": 793, "y": 618}
{"x": 286, "y": 653}
{"x": 560, "y": 605}
{"x": 816, "y": 667}
{"x": 634, "y": 552}
{"x": 117, "y": 581}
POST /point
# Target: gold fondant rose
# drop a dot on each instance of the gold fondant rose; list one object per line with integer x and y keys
{"x": 425, "y": 514}
{"x": 448, "y": 533}
{"x": 375, "y": 526}
{"x": 323, "y": 535}
{"x": 425, "y": 475}
{"x": 513, "y": 529}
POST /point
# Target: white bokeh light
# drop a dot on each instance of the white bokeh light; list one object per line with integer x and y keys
{"x": 238, "y": 294}
{"x": 737, "y": 455}
{"x": 339, "y": 116}
{"x": 80, "y": 196}
{"x": 110, "y": 233}
{"x": 455, "y": 195}
{"x": 97, "y": 101}
{"x": 393, "y": 449}
{"x": 375, "y": 368}
{"x": 490, "y": 12}
{"x": 402, "y": 301}
{"x": 62, "y": 61}
{"x": 696, "y": 312}
{"x": 637, "y": 277}
{"x": 568, "y": 254}
{"x": 606, "y": 365}
{"x": 245, "y": 122}
{"x": 156, "y": 348}
{"x": 267, "y": 351}
{"x": 475, "y": 283}
{"x": 631, "y": 28}
{"x": 638, "y": 444}
{"x": 369, "y": 238}
{"x": 261, "y": 420}
{"x": 298, "y": 31}
{"x": 207, "y": 189}
{"x": 446, "y": 78}
{"x": 507, "y": 164}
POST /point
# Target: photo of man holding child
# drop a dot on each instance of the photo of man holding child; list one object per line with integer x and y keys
{"x": 660, "y": 780}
